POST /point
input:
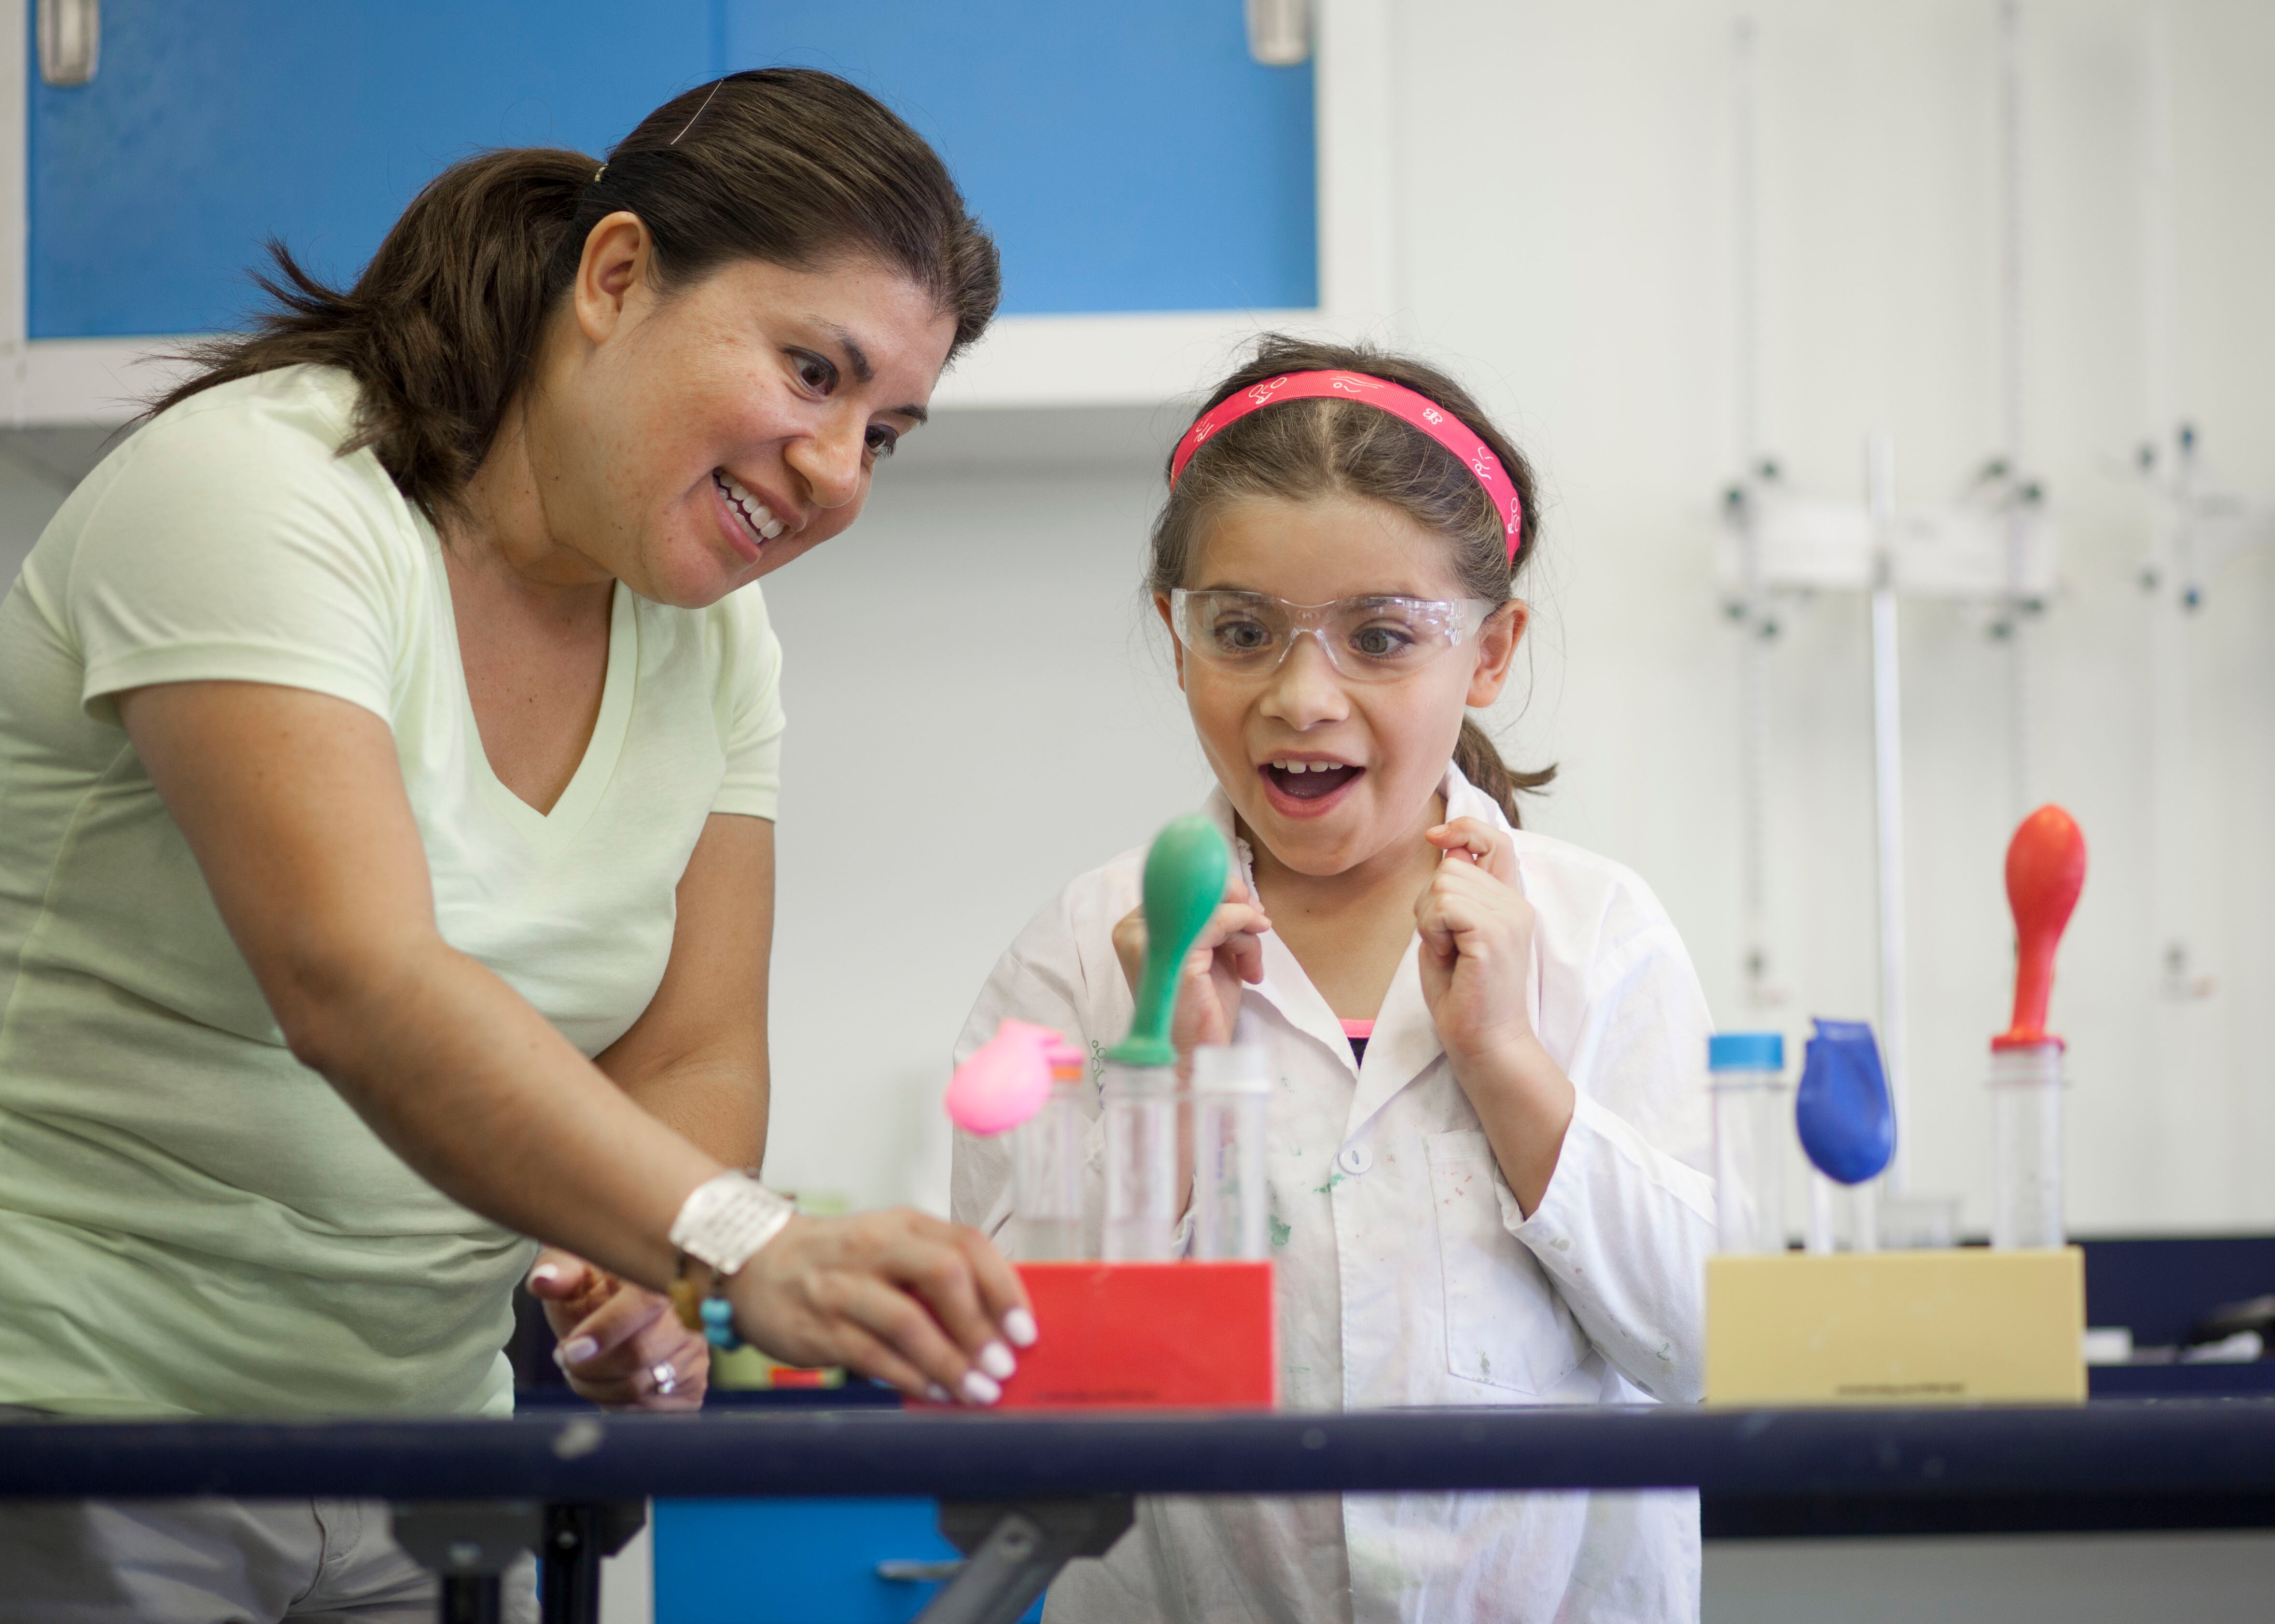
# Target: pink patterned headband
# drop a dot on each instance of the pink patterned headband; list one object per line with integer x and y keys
{"x": 1396, "y": 398}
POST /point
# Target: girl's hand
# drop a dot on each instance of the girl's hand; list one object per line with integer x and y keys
{"x": 1477, "y": 941}
{"x": 1477, "y": 960}
{"x": 900, "y": 1295}
{"x": 620, "y": 1346}
{"x": 1228, "y": 951}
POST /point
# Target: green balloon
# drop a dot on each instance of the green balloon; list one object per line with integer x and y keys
{"x": 1185, "y": 872}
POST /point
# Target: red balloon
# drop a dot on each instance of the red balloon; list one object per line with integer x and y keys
{"x": 2046, "y": 869}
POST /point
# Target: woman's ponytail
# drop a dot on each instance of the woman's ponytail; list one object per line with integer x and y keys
{"x": 438, "y": 330}
{"x": 787, "y": 165}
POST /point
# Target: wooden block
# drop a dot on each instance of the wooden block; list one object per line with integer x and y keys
{"x": 1960, "y": 1326}
{"x": 1150, "y": 1334}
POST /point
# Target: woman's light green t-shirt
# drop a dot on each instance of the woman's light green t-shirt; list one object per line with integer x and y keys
{"x": 192, "y": 1221}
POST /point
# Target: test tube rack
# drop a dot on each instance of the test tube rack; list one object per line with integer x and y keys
{"x": 1182, "y": 1335}
{"x": 1959, "y": 1325}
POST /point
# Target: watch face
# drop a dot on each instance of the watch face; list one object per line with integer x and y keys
{"x": 728, "y": 1217}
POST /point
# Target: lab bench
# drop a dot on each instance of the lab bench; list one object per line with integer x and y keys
{"x": 2120, "y": 1463}
{"x": 822, "y": 1506}
{"x": 862, "y": 1559}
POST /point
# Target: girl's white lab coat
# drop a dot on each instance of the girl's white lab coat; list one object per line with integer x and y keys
{"x": 1407, "y": 1275}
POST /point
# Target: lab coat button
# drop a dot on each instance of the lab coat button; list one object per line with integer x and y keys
{"x": 1355, "y": 1158}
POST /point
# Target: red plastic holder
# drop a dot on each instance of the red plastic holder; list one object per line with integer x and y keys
{"x": 1149, "y": 1335}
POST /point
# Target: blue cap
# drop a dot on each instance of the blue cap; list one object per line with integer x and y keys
{"x": 1746, "y": 1052}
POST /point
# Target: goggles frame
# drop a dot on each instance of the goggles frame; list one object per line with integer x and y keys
{"x": 1456, "y": 619}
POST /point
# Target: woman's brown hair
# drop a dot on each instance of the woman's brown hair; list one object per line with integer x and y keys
{"x": 1300, "y": 449}
{"x": 787, "y": 165}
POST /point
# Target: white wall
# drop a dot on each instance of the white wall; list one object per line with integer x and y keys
{"x": 1599, "y": 307}
{"x": 968, "y": 695}
{"x": 975, "y": 716}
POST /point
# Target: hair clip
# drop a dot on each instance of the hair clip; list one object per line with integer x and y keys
{"x": 689, "y": 124}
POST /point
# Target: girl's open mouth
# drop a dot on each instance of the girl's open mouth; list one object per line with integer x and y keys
{"x": 1307, "y": 787}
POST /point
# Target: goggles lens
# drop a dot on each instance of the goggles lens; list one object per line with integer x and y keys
{"x": 1368, "y": 639}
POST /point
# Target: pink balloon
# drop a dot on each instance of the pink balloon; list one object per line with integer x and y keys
{"x": 1005, "y": 1080}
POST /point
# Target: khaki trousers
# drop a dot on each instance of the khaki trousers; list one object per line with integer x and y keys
{"x": 216, "y": 1561}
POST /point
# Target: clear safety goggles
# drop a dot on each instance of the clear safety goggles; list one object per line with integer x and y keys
{"x": 1369, "y": 640}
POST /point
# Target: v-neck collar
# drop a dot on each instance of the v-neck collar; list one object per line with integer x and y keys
{"x": 551, "y": 831}
{"x": 1405, "y": 1039}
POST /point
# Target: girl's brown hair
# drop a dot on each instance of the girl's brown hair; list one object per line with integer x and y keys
{"x": 1300, "y": 449}
{"x": 787, "y": 165}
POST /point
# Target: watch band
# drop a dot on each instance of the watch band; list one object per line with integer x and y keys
{"x": 727, "y": 1219}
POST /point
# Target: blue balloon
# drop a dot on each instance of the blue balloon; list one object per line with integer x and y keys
{"x": 1846, "y": 1120}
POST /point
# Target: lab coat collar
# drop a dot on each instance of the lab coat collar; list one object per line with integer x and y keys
{"x": 1285, "y": 987}
{"x": 1405, "y": 1039}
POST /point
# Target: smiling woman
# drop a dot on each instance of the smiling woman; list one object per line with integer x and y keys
{"x": 389, "y": 751}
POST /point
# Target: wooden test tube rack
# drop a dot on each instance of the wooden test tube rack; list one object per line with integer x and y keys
{"x": 1951, "y": 1326}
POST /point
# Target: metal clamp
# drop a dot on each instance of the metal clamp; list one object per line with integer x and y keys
{"x": 470, "y": 1543}
{"x": 1014, "y": 1549}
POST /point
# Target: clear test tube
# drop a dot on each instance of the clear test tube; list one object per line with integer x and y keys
{"x": 1820, "y": 1239}
{"x": 1048, "y": 1167}
{"x": 1864, "y": 1216}
{"x": 1745, "y": 1076}
{"x": 2026, "y": 1091}
{"x": 1140, "y": 1103}
{"x": 1232, "y": 1200}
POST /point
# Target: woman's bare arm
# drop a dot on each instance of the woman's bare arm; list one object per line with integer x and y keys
{"x": 293, "y": 805}
{"x": 697, "y": 1057}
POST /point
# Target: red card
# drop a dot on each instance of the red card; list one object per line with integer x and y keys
{"x": 1185, "y": 1336}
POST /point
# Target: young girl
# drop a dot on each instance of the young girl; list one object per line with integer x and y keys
{"x": 1486, "y": 1133}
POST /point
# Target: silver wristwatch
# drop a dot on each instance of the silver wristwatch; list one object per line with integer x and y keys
{"x": 727, "y": 1219}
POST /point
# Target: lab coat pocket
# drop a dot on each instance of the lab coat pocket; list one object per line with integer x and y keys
{"x": 1506, "y": 1327}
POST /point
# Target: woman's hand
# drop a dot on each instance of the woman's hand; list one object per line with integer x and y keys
{"x": 1228, "y": 951}
{"x": 1477, "y": 961}
{"x": 899, "y": 1296}
{"x": 620, "y": 1345}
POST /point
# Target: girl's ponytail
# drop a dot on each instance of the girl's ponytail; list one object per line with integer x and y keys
{"x": 1480, "y": 762}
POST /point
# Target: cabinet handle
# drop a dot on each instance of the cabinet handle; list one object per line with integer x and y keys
{"x": 901, "y": 1570}
{"x": 1280, "y": 32}
{"x": 70, "y": 40}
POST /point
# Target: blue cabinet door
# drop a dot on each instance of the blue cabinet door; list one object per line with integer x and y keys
{"x": 779, "y": 1561}
{"x": 1129, "y": 158}
{"x": 213, "y": 126}
{"x": 1126, "y": 157}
